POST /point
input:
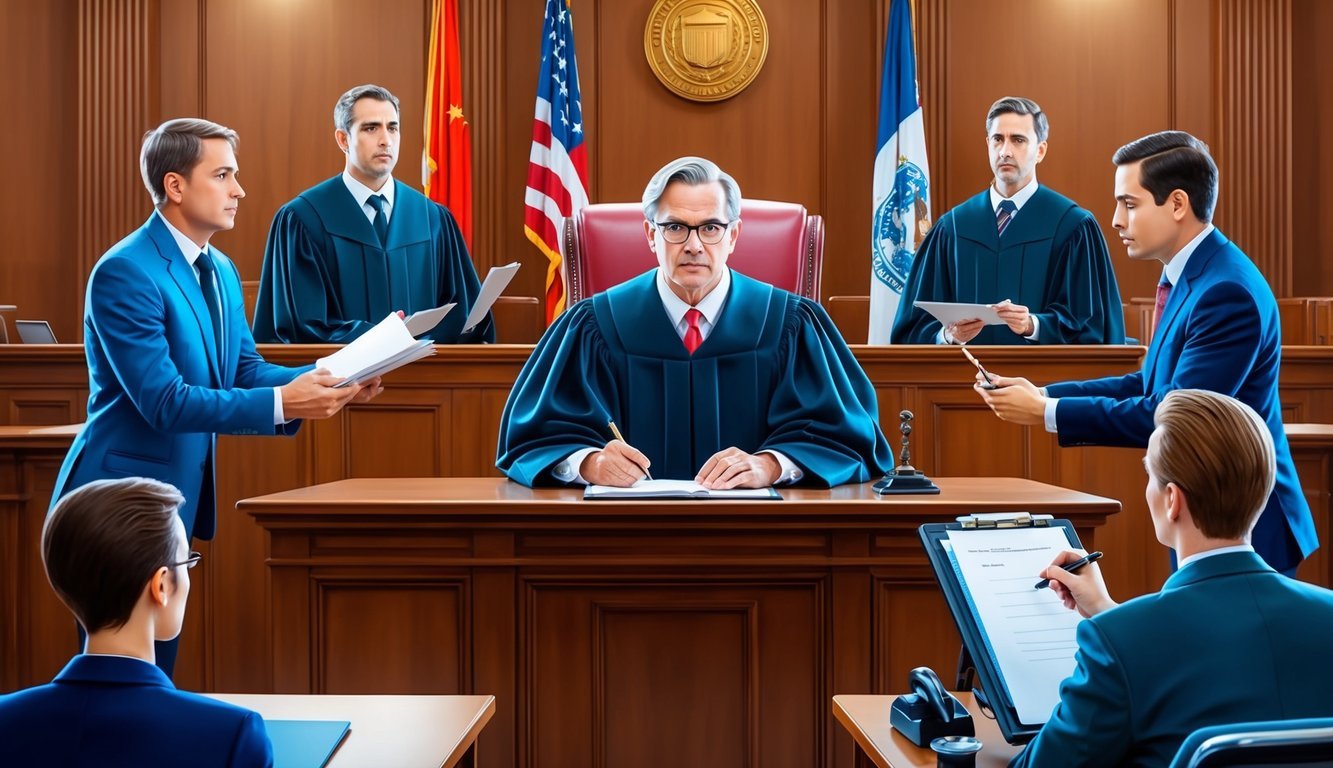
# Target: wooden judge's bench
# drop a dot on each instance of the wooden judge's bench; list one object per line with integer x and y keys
{"x": 691, "y": 633}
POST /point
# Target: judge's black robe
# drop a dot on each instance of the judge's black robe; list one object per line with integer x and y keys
{"x": 326, "y": 278}
{"x": 1052, "y": 259}
{"x": 773, "y": 374}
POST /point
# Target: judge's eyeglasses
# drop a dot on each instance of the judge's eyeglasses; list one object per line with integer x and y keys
{"x": 710, "y": 232}
{"x": 188, "y": 562}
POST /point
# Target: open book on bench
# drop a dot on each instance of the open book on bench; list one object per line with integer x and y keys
{"x": 676, "y": 489}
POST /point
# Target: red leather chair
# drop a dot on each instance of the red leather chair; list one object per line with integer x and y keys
{"x": 779, "y": 244}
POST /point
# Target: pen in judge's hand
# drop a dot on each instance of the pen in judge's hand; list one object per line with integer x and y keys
{"x": 615, "y": 432}
{"x": 1091, "y": 557}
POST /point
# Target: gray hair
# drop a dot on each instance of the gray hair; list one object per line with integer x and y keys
{"x": 691, "y": 171}
{"x": 1017, "y": 105}
{"x": 176, "y": 146}
{"x": 342, "y": 111}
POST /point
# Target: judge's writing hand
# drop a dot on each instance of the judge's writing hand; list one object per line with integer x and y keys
{"x": 1083, "y": 590}
{"x": 964, "y": 331}
{"x": 734, "y": 468}
{"x": 1017, "y": 400}
{"x": 1016, "y": 316}
{"x": 312, "y": 396}
{"x": 619, "y": 464}
{"x": 369, "y": 390}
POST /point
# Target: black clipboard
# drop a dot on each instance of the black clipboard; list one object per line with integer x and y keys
{"x": 996, "y": 693}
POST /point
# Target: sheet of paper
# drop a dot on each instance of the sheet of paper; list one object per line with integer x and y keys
{"x": 422, "y": 322}
{"x": 1030, "y": 633}
{"x": 948, "y": 312}
{"x": 496, "y": 281}
{"x": 383, "y": 348}
{"x": 677, "y": 488}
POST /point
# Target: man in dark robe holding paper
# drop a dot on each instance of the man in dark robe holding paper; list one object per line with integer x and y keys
{"x": 350, "y": 250}
{"x": 1034, "y": 254}
{"x": 710, "y": 375}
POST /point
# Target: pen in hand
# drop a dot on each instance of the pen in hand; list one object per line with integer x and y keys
{"x": 615, "y": 432}
{"x": 1091, "y": 557}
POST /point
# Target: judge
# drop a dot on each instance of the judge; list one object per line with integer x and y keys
{"x": 348, "y": 251}
{"x": 1031, "y": 252}
{"x": 710, "y": 375}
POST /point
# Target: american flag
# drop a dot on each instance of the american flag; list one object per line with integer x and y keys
{"x": 558, "y": 163}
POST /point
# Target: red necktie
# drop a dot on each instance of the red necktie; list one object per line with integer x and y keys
{"x": 1163, "y": 291}
{"x": 693, "y": 338}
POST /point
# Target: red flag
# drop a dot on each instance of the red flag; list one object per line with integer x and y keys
{"x": 558, "y": 160}
{"x": 446, "y": 172}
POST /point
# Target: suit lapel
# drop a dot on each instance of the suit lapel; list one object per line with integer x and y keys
{"x": 183, "y": 275}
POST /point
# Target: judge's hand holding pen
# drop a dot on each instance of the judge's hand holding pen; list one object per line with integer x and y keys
{"x": 619, "y": 464}
{"x": 1081, "y": 590}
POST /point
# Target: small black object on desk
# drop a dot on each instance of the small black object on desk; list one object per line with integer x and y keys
{"x": 905, "y": 479}
{"x": 929, "y": 712}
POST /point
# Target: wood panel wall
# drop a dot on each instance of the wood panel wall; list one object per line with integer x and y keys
{"x": 1245, "y": 76}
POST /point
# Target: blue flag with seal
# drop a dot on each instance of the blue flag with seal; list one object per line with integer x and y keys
{"x": 902, "y": 176}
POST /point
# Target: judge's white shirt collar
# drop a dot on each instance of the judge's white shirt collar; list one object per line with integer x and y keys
{"x": 1020, "y": 197}
{"x": 189, "y": 248}
{"x": 362, "y": 194}
{"x": 1174, "y": 268}
{"x": 710, "y": 306}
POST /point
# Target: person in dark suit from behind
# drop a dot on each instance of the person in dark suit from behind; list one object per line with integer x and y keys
{"x": 117, "y": 555}
{"x": 1217, "y": 329}
{"x": 1226, "y": 640}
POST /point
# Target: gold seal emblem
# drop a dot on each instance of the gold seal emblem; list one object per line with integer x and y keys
{"x": 706, "y": 50}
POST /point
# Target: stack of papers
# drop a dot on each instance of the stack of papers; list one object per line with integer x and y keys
{"x": 496, "y": 281}
{"x": 675, "y": 489}
{"x": 948, "y": 312}
{"x": 386, "y": 347}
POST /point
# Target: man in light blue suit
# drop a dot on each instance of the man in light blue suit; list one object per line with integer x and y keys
{"x": 1227, "y": 640}
{"x": 171, "y": 361}
{"x": 1217, "y": 329}
{"x": 117, "y": 555}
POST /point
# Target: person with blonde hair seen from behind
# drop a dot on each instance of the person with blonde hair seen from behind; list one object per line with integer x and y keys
{"x": 1226, "y": 640}
{"x": 116, "y": 554}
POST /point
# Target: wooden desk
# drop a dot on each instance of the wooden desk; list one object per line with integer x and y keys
{"x": 406, "y": 731}
{"x": 866, "y": 718}
{"x": 644, "y": 633}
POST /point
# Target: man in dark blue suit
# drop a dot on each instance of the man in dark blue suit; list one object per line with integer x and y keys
{"x": 117, "y": 555}
{"x": 171, "y": 360}
{"x": 1217, "y": 330}
{"x": 1226, "y": 640}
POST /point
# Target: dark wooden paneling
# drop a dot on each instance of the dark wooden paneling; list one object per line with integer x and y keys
{"x": 425, "y": 657}
{"x": 1106, "y": 74}
{"x": 736, "y": 665}
{"x": 1312, "y": 157}
{"x": 1254, "y": 158}
{"x": 38, "y": 240}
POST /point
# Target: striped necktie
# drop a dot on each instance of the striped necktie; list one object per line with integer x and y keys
{"x": 1163, "y": 292}
{"x": 1004, "y": 214}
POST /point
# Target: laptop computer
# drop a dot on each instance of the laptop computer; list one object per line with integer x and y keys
{"x": 35, "y": 332}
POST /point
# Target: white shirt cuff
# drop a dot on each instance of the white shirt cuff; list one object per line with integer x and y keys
{"x": 278, "y": 416}
{"x": 567, "y": 471}
{"x": 944, "y": 337}
{"x": 1050, "y": 411}
{"x": 790, "y": 472}
{"x": 1036, "y": 328}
